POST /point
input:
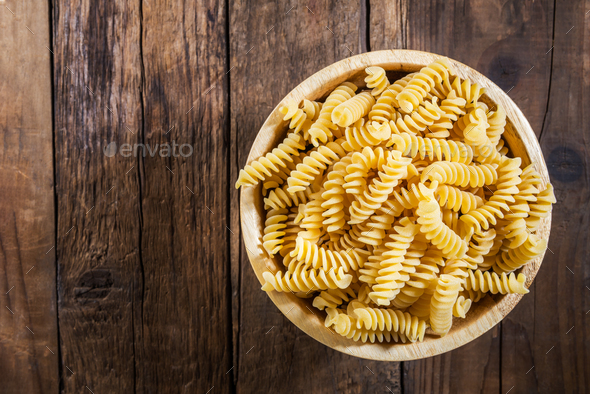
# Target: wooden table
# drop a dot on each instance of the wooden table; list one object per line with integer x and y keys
{"x": 127, "y": 274}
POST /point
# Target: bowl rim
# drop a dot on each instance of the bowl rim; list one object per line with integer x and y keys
{"x": 490, "y": 311}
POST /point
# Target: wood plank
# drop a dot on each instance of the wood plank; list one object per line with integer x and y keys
{"x": 502, "y": 48}
{"x": 97, "y": 77}
{"x": 185, "y": 323}
{"x": 270, "y": 40}
{"x": 553, "y": 337}
{"x": 28, "y": 317}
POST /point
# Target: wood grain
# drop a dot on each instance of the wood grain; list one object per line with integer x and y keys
{"x": 28, "y": 317}
{"x": 143, "y": 285}
{"x": 285, "y": 47}
{"x": 97, "y": 79}
{"x": 554, "y": 336}
{"x": 184, "y": 327}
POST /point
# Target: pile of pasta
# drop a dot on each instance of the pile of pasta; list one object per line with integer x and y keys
{"x": 397, "y": 207}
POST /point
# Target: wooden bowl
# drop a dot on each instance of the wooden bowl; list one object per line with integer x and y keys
{"x": 483, "y": 315}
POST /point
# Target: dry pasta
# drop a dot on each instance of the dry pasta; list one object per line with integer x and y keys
{"x": 397, "y": 209}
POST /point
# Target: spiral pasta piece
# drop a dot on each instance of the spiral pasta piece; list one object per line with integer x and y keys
{"x": 473, "y": 295}
{"x": 482, "y": 243}
{"x": 459, "y": 268}
{"x": 475, "y": 135}
{"x": 512, "y": 260}
{"x": 385, "y": 108}
{"x": 497, "y": 123}
{"x": 362, "y": 162}
{"x": 335, "y": 195}
{"x": 431, "y": 148}
{"x": 306, "y": 279}
{"x": 278, "y": 178}
{"x": 382, "y": 220}
{"x": 281, "y": 198}
{"x": 320, "y": 257}
{"x": 312, "y": 218}
{"x": 461, "y": 306}
{"x": 388, "y": 271}
{"x": 415, "y": 91}
{"x": 421, "y": 308}
{"x": 419, "y": 280}
{"x": 506, "y": 186}
{"x": 457, "y": 199}
{"x": 441, "y": 305}
{"x": 291, "y": 230}
{"x": 332, "y": 298}
{"x": 487, "y": 282}
{"x": 377, "y": 193}
{"x": 471, "y": 92}
{"x": 541, "y": 208}
{"x": 459, "y": 174}
{"x": 311, "y": 166}
{"x": 409, "y": 198}
{"x": 453, "y": 108}
{"x": 473, "y": 121}
{"x": 360, "y": 135}
{"x": 345, "y": 325}
{"x": 352, "y": 109}
{"x": 441, "y": 236}
{"x": 418, "y": 121}
{"x": 391, "y": 320}
{"x": 527, "y": 194}
{"x": 297, "y": 116}
{"x": 517, "y": 233}
{"x": 275, "y": 221}
{"x": 322, "y": 128}
{"x": 376, "y": 80}
{"x": 260, "y": 169}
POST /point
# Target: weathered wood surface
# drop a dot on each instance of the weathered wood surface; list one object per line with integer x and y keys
{"x": 97, "y": 82}
{"x": 154, "y": 293}
{"x": 185, "y": 339}
{"x": 29, "y": 349}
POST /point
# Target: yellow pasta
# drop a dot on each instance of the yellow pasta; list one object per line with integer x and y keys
{"x": 320, "y": 257}
{"x": 352, "y": 109}
{"x": 385, "y": 107}
{"x": 431, "y": 148}
{"x": 391, "y": 320}
{"x": 461, "y": 306}
{"x": 311, "y": 166}
{"x": 494, "y": 283}
{"x": 525, "y": 253}
{"x": 377, "y": 193}
{"x": 376, "y": 80}
{"x": 322, "y": 128}
{"x": 272, "y": 240}
{"x": 459, "y": 174}
{"x": 415, "y": 91}
{"x": 345, "y": 325}
{"x": 305, "y": 279}
{"x": 360, "y": 135}
{"x": 260, "y": 169}
{"x": 441, "y": 236}
{"x": 540, "y": 208}
{"x": 388, "y": 275}
{"x": 398, "y": 207}
{"x": 441, "y": 305}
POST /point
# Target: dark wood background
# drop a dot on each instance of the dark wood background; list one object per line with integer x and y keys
{"x": 128, "y": 274}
